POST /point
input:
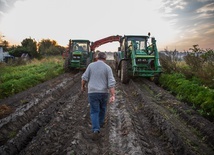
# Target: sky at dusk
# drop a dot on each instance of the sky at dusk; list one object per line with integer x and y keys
{"x": 176, "y": 24}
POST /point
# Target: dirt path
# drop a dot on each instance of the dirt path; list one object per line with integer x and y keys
{"x": 53, "y": 119}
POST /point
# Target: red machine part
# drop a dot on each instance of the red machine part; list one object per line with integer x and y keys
{"x": 65, "y": 53}
{"x": 104, "y": 41}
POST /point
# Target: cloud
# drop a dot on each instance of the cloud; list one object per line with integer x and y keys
{"x": 187, "y": 12}
{"x": 193, "y": 20}
{"x": 206, "y": 11}
{"x": 6, "y": 5}
{"x": 169, "y": 6}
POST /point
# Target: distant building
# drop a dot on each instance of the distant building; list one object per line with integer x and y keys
{"x": 5, "y": 56}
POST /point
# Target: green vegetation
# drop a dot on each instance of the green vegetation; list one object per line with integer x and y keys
{"x": 193, "y": 92}
{"x": 191, "y": 80}
{"x": 14, "y": 79}
{"x": 45, "y": 47}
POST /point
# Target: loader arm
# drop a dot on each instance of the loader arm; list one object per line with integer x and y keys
{"x": 104, "y": 41}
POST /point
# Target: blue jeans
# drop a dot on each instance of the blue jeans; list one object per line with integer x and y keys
{"x": 98, "y": 105}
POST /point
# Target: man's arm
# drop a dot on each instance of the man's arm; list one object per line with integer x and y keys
{"x": 112, "y": 95}
{"x": 85, "y": 79}
{"x": 83, "y": 82}
{"x": 111, "y": 85}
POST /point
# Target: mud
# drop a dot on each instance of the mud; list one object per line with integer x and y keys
{"x": 53, "y": 119}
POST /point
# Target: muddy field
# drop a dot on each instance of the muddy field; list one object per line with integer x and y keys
{"x": 53, "y": 119}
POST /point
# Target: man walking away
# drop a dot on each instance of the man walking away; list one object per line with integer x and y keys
{"x": 101, "y": 83}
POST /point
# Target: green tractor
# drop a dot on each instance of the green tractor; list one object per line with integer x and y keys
{"x": 79, "y": 56}
{"x": 136, "y": 58}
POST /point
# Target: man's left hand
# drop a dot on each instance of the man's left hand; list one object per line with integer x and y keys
{"x": 112, "y": 99}
{"x": 82, "y": 88}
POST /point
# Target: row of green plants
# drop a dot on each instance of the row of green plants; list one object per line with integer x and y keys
{"x": 201, "y": 97}
{"x": 14, "y": 79}
{"x": 191, "y": 80}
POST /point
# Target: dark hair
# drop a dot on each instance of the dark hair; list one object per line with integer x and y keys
{"x": 101, "y": 55}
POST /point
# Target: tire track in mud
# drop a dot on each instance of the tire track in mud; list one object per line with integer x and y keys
{"x": 122, "y": 137}
{"x": 30, "y": 117}
{"x": 202, "y": 126}
{"x": 57, "y": 133}
{"x": 134, "y": 132}
{"x": 174, "y": 131}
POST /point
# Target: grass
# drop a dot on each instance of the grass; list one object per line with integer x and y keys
{"x": 14, "y": 79}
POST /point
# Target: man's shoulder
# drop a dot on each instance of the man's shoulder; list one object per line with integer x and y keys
{"x": 106, "y": 65}
{"x": 92, "y": 63}
{"x": 99, "y": 63}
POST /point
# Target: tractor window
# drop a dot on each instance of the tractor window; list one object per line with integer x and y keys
{"x": 75, "y": 47}
{"x": 123, "y": 45}
{"x": 141, "y": 45}
{"x": 129, "y": 43}
{"x": 80, "y": 47}
{"x": 138, "y": 42}
{"x": 83, "y": 46}
{"x": 137, "y": 45}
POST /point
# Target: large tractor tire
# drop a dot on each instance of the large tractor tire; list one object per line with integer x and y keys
{"x": 115, "y": 65}
{"x": 66, "y": 65}
{"x": 118, "y": 71}
{"x": 124, "y": 72}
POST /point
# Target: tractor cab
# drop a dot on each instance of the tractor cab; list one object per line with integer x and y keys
{"x": 137, "y": 45}
{"x": 79, "y": 55}
{"x": 137, "y": 58}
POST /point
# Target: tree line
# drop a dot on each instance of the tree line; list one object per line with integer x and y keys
{"x": 45, "y": 47}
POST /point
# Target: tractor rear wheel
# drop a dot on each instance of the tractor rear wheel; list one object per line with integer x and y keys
{"x": 66, "y": 65}
{"x": 115, "y": 65}
{"x": 124, "y": 72}
{"x": 118, "y": 71}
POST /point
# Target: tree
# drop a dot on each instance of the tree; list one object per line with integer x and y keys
{"x": 49, "y": 47}
{"x": 18, "y": 51}
{"x": 61, "y": 49}
{"x": 5, "y": 45}
{"x": 31, "y": 47}
{"x": 44, "y": 45}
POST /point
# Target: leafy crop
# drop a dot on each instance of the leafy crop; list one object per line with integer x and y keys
{"x": 14, "y": 79}
{"x": 193, "y": 92}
